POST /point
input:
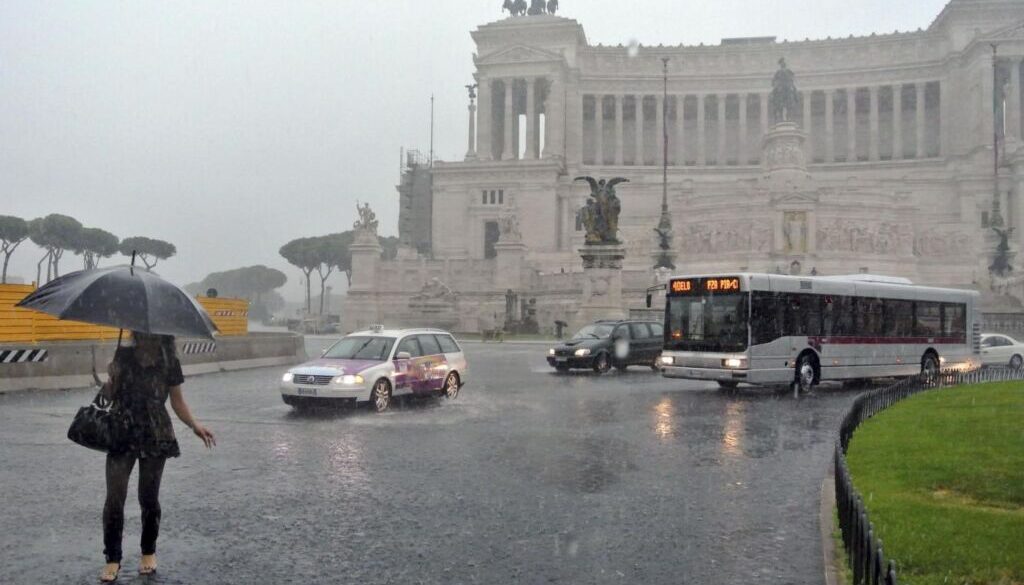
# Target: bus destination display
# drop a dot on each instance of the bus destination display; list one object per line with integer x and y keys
{"x": 715, "y": 284}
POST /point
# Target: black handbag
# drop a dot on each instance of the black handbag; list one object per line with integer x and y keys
{"x": 100, "y": 426}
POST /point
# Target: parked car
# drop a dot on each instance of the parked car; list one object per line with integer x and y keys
{"x": 606, "y": 344}
{"x": 376, "y": 365}
{"x": 1001, "y": 350}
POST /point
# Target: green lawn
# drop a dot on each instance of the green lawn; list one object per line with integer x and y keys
{"x": 942, "y": 475}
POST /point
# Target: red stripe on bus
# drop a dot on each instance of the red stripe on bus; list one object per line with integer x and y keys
{"x": 885, "y": 340}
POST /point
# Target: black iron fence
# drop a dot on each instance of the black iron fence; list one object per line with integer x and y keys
{"x": 863, "y": 547}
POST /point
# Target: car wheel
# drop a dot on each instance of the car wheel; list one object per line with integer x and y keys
{"x": 930, "y": 368}
{"x": 1016, "y": 362}
{"x": 805, "y": 373}
{"x": 727, "y": 384}
{"x": 381, "y": 397}
{"x": 602, "y": 363}
{"x": 451, "y": 385}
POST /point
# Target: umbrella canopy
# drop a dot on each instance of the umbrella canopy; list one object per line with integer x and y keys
{"x": 122, "y": 296}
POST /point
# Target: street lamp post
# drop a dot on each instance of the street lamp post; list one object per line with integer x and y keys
{"x": 664, "y": 229}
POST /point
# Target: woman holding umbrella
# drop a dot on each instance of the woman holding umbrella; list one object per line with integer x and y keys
{"x": 142, "y": 378}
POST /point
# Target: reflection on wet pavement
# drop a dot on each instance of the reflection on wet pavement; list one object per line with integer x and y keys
{"x": 527, "y": 477}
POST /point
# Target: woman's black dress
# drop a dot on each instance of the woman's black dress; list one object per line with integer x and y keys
{"x": 142, "y": 392}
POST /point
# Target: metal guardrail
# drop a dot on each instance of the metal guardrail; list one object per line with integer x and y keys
{"x": 863, "y": 548}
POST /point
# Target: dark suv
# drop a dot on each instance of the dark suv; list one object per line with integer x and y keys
{"x": 604, "y": 344}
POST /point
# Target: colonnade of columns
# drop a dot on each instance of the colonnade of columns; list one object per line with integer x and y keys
{"x": 504, "y": 104}
{"x": 872, "y": 123}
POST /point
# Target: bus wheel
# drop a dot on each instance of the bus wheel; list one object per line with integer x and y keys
{"x": 930, "y": 367}
{"x": 805, "y": 373}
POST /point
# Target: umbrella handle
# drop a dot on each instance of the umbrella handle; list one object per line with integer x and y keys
{"x": 95, "y": 377}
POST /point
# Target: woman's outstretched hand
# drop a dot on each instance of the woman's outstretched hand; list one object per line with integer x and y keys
{"x": 204, "y": 434}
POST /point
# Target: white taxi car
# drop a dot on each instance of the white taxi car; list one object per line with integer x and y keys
{"x": 376, "y": 365}
{"x": 1001, "y": 350}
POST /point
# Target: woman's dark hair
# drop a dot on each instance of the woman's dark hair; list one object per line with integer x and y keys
{"x": 168, "y": 352}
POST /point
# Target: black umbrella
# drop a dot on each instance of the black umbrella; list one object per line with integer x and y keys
{"x": 122, "y": 296}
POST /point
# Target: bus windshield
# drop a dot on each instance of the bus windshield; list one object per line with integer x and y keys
{"x": 708, "y": 322}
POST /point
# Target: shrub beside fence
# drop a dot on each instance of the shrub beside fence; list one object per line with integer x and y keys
{"x": 864, "y": 550}
{"x": 231, "y": 316}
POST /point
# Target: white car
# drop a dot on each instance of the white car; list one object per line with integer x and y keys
{"x": 1001, "y": 350}
{"x": 376, "y": 365}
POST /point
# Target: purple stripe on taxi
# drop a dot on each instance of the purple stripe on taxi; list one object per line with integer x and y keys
{"x": 421, "y": 374}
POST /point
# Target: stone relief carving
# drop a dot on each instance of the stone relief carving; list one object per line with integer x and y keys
{"x": 727, "y": 236}
{"x": 942, "y": 242}
{"x": 434, "y": 289}
{"x": 884, "y": 238}
{"x": 508, "y": 226}
{"x": 794, "y": 232}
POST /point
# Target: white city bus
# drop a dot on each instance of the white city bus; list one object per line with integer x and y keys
{"x": 772, "y": 329}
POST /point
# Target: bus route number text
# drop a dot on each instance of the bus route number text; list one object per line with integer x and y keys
{"x": 682, "y": 286}
{"x": 722, "y": 284}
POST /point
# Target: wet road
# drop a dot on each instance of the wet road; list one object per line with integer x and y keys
{"x": 527, "y": 477}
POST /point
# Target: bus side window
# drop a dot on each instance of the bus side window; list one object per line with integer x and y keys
{"x": 954, "y": 320}
{"x": 764, "y": 317}
{"x": 870, "y": 316}
{"x": 899, "y": 318}
{"x": 838, "y": 315}
{"x": 927, "y": 319}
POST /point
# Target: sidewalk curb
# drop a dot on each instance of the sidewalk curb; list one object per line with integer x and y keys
{"x": 833, "y": 572}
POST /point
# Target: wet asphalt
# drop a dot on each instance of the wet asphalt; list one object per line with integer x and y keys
{"x": 527, "y": 477}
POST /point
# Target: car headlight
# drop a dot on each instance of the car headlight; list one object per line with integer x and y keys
{"x": 668, "y": 360}
{"x": 582, "y": 352}
{"x": 734, "y": 363}
{"x": 287, "y": 377}
{"x": 551, "y": 351}
{"x": 349, "y": 379}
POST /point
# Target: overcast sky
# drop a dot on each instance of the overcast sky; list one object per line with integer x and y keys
{"x": 231, "y": 127}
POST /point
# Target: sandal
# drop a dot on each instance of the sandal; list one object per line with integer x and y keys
{"x": 108, "y": 575}
{"x": 147, "y": 569}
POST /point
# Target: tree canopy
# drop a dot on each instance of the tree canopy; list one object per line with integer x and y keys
{"x": 149, "y": 250}
{"x": 93, "y": 244}
{"x": 13, "y": 231}
{"x": 55, "y": 233}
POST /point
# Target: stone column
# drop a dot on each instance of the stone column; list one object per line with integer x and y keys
{"x": 361, "y": 301}
{"x": 808, "y": 145}
{"x": 508, "y": 258}
{"x": 741, "y": 142}
{"x": 639, "y": 134}
{"x": 599, "y": 129}
{"x": 830, "y": 126}
{"x": 851, "y": 124}
{"x": 919, "y": 120}
{"x": 897, "y": 121}
{"x": 471, "y": 149}
{"x": 618, "y": 129}
{"x": 507, "y": 152}
{"x": 554, "y": 120}
{"x": 1013, "y": 113}
{"x": 659, "y": 125}
{"x": 531, "y": 118}
{"x": 680, "y": 130}
{"x": 720, "y": 155}
{"x": 702, "y": 147}
{"x": 484, "y": 144}
{"x": 764, "y": 114}
{"x": 873, "y": 137}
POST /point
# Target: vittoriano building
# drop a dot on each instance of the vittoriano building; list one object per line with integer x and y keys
{"x": 904, "y": 157}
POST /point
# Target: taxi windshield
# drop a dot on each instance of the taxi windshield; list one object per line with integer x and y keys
{"x": 595, "y": 331}
{"x": 361, "y": 348}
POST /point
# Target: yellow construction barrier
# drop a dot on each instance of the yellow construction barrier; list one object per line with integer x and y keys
{"x": 231, "y": 316}
{"x": 23, "y": 325}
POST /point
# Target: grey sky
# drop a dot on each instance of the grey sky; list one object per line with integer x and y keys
{"x": 229, "y": 128}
